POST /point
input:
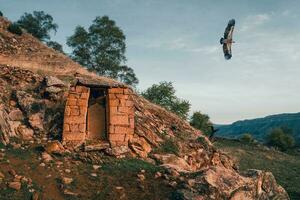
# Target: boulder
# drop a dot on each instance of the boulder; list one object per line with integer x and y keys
{"x": 36, "y": 121}
{"x": 53, "y": 89}
{"x": 174, "y": 162}
{"x": 54, "y": 147}
{"x": 46, "y": 157}
{"x": 16, "y": 115}
{"x": 53, "y": 81}
{"x": 14, "y": 185}
{"x": 25, "y": 133}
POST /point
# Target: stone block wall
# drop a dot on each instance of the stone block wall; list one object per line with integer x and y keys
{"x": 76, "y": 114}
{"x": 120, "y": 116}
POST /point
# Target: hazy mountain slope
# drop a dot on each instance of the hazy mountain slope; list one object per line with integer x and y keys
{"x": 260, "y": 127}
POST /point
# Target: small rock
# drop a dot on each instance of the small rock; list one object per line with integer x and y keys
{"x": 141, "y": 177}
{"x": 12, "y": 172}
{"x": 94, "y": 174}
{"x": 15, "y": 185}
{"x": 42, "y": 164}
{"x": 48, "y": 176}
{"x": 2, "y": 176}
{"x": 66, "y": 180}
{"x": 54, "y": 147}
{"x": 95, "y": 167}
{"x": 173, "y": 183}
{"x": 143, "y": 171}
{"x": 46, "y": 157}
{"x": 166, "y": 176}
{"x": 68, "y": 192}
{"x": 119, "y": 188}
{"x": 191, "y": 182}
{"x": 157, "y": 175}
{"x": 67, "y": 170}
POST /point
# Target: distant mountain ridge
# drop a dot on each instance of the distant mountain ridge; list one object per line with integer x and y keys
{"x": 260, "y": 127}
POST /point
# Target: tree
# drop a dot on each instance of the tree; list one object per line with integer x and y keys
{"x": 56, "y": 46}
{"x": 39, "y": 24}
{"x": 163, "y": 94}
{"x": 202, "y": 122}
{"x": 101, "y": 49}
{"x": 247, "y": 138}
{"x": 278, "y": 138}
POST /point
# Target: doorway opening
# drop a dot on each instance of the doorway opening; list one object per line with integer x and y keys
{"x": 96, "y": 116}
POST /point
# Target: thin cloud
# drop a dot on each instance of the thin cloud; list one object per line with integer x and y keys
{"x": 253, "y": 21}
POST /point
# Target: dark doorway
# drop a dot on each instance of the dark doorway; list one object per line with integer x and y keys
{"x": 96, "y": 117}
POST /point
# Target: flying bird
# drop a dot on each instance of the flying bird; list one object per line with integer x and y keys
{"x": 227, "y": 40}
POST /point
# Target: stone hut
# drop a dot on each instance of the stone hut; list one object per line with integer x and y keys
{"x": 99, "y": 111}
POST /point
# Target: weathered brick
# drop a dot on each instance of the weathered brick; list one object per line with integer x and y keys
{"x": 67, "y": 111}
{"x": 83, "y": 111}
{"x": 75, "y": 112}
{"x": 120, "y": 96}
{"x": 70, "y": 136}
{"x": 119, "y": 120}
{"x": 82, "y": 128}
{"x": 123, "y": 102}
{"x": 111, "y": 129}
{"x": 74, "y": 119}
{"x": 74, "y": 128}
{"x": 112, "y": 96}
{"x": 84, "y": 95}
{"x": 116, "y": 90}
{"x": 117, "y": 137}
{"x": 66, "y": 127}
{"x": 82, "y": 102}
{"x": 121, "y": 129}
{"x": 114, "y": 102}
{"x": 71, "y": 102}
{"x": 123, "y": 109}
{"x": 113, "y": 110}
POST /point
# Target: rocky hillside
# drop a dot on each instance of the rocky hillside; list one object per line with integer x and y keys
{"x": 260, "y": 127}
{"x": 166, "y": 154}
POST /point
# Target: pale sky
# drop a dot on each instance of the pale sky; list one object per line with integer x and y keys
{"x": 178, "y": 41}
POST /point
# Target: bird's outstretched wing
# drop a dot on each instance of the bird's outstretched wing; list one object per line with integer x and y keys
{"x": 228, "y": 35}
{"x": 227, "y": 51}
{"x": 229, "y": 29}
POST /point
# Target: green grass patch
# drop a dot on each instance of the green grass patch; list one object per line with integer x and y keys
{"x": 168, "y": 146}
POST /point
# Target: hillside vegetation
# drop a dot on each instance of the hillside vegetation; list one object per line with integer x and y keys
{"x": 284, "y": 166}
{"x": 260, "y": 127}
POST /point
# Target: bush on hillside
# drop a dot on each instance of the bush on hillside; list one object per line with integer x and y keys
{"x": 15, "y": 28}
{"x": 247, "y": 138}
{"x": 1, "y": 14}
{"x": 202, "y": 122}
{"x": 278, "y": 138}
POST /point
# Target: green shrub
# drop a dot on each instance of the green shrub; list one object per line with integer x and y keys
{"x": 15, "y": 28}
{"x": 278, "y": 138}
{"x": 1, "y": 14}
{"x": 169, "y": 146}
{"x": 247, "y": 138}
